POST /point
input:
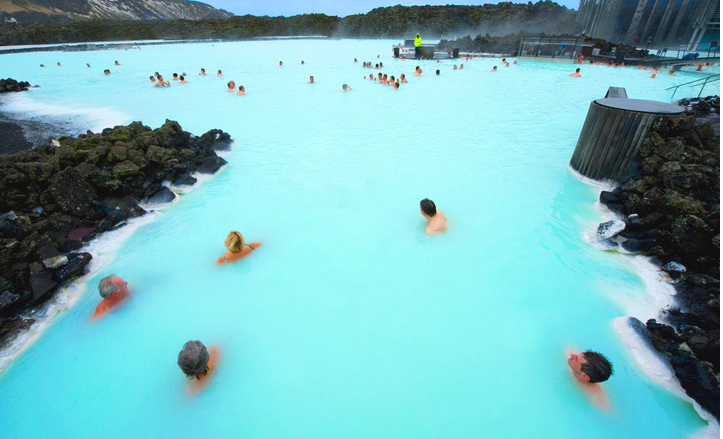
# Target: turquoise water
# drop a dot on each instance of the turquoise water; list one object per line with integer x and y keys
{"x": 349, "y": 321}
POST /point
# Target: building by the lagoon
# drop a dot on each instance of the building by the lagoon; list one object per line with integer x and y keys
{"x": 694, "y": 24}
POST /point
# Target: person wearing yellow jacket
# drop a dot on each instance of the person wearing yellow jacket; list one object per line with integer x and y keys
{"x": 417, "y": 43}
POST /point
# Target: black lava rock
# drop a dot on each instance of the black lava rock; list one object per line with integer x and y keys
{"x": 74, "y": 268}
{"x": 672, "y": 213}
{"x": 55, "y": 198}
{"x": 163, "y": 195}
{"x": 42, "y": 283}
{"x": 10, "y": 84}
{"x": 210, "y": 165}
{"x": 185, "y": 179}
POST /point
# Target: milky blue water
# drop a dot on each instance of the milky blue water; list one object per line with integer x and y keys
{"x": 350, "y": 321}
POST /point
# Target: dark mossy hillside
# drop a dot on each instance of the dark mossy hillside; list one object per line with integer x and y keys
{"x": 391, "y": 22}
{"x": 55, "y": 198}
{"x": 65, "y": 10}
{"x": 438, "y": 21}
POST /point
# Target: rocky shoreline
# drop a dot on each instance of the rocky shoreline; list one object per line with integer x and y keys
{"x": 59, "y": 196}
{"x": 671, "y": 213}
{"x": 10, "y": 84}
{"x": 19, "y": 133}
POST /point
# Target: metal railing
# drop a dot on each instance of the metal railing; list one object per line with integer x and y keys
{"x": 705, "y": 81}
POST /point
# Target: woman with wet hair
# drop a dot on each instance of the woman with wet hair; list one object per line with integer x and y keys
{"x": 237, "y": 248}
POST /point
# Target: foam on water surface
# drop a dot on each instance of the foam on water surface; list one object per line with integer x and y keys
{"x": 94, "y": 119}
{"x": 350, "y": 321}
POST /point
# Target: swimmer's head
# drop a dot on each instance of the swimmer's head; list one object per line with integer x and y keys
{"x": 157, "y": 74}
{"x": 428, "y": 207}
{"x": 302, "y": 61}
{"x": 241, "y": 88}
{"x": 416, "y": 68}
{"x": 111, "y": 287}
{"x": 193, "y": 359}
{"x": 577, "y": 70}
{"x": 311, "y": 79}
{"x": 235, "y": 240}
{"x": 107, "y": 287}
{"x": 153, "y": 78}
{"x": 437, "y": 72}
{"x": 175, "y": 75}
{"x": 590, "y": 366}
{"x": 344, "y": 87}
{"x": 183, "y": 78}
{"x": 203, "y": 70}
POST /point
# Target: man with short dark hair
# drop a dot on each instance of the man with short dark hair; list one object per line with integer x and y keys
{"x": 591, "y": 368}
{"x": 437, "y": 221}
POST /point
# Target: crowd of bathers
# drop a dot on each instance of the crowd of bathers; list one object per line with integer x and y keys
{"x": 198, "y": 362}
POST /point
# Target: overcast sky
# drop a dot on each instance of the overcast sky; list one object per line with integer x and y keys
{"x": 340, "y": 8}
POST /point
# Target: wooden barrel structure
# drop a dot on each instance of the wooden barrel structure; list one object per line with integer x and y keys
{"x": 613, "y": 132}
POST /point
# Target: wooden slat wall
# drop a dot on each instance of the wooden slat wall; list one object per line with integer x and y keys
{"x": 609, "y": 142}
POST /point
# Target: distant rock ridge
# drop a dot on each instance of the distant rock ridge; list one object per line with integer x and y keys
{"x": 61, "y": 10}
{"x": 56, "y": 198}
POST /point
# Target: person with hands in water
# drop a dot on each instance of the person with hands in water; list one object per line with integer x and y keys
{"x": 237, "y": 248}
